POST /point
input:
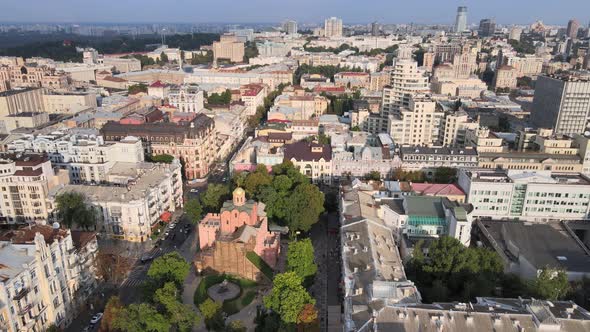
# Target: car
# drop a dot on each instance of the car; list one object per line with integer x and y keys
{"x": 166, "y": 233}
{"x": 194, "y": 191}
{"x": 172, "y": 225}
{"x": 146, "y": 258}
{"x": 96, "y": 318}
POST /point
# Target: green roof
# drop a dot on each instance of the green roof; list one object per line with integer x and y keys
{"x": 424, "y": 206}
{"x": 426, "y": 221}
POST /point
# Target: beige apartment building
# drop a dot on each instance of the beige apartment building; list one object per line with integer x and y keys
{"x": 68, "y": 102}
{"x": 419, "y": 124}
{"x": 456, "y": 125}
{"x": 48, "y": 276}
{"x": 229, "y": 47}
{"x": 122, "y": 65}
{"x": 21, "y": 100}
{"x": 25, "y": 182}
{"x": 505, "y": 77}
{"x": 333, "y": 27}
{"x": 313, "y": 160}
{"x": 309, "y": 104}
{"x": 406, "y": 79}
{"x": 23, "y": 120}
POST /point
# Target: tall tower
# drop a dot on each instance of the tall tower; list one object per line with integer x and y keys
{"x": 572, "y": 28}
{"x": 333, "y": 27}
{"x": 461, "y": 20}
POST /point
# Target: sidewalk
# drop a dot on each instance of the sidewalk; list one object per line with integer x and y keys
{"x": 188, "y": 251}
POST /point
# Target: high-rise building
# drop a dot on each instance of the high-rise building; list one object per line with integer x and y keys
{"x": 406, "y": 79}
{"x": 562, "y": 102}
{"x": 487, "y": 27}
{"x": 572, "y": 28}
{"x": 515, "y": 33}
{"x": 375, "y": 29}
{"x": 229, "y": 47}
{"x": 333, "y": 27}
{"x": 461, "y": 20}
{"x": 290, "y": 27}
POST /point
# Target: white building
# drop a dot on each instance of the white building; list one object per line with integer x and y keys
{"x": 406, "y": 79}
{"x": 187, "y": 98}
{"x": 87, "y": 157}
{"x": 526, "y": 195}
{"x": 48, "y": 275}
{"x": 137, "y": 196}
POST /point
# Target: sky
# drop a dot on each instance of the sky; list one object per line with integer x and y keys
{"x": 556, "y": 12}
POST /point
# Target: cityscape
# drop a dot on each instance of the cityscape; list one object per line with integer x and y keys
{"x": 333, "y": 174}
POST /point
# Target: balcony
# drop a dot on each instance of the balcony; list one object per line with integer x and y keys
{"x": 25, "y": 310}
{"x": 24, "y": 291}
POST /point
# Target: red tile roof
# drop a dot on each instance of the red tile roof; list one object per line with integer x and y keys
{"x": 437, "y": 189}
{"x": 157, "y": 84}
{"x": 27, "y": 234}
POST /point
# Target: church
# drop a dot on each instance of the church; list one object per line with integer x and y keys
{"x": 226, "y": 238}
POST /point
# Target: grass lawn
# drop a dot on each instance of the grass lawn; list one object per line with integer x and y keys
{"x": 230, "y": 307}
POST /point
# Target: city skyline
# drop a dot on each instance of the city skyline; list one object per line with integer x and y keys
{"x": 304, "y": 11}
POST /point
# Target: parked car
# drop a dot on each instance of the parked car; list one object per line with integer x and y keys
{"x": 194, "y": 191}
{"x": 146, "y": 258}
{"x": 96, "y": 318}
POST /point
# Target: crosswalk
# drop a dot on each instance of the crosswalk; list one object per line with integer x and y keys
{"x": 139, "y": 272}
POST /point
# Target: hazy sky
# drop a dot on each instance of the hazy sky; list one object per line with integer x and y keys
{"x": 352, "y": 11}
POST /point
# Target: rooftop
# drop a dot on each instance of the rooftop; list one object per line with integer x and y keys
{"x": 547, "y": 244}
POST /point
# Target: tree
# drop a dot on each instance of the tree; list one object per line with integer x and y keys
{"x": 300, "y": 258}
{"x": 444, "y": 175}
{"x": 71, "y": 209}
{"x": 323, "y": 139}
{"x": 161, "y": 158}
{"x": 141, "y": 317}
{"x": 551, "y": 284}
{"x": 219, "y": 99}
{"x": 213, "y": 197}
{"x": 112, "y": 267}
{"x": 180, "y": 316}
{"x": 236, "y": 326}
{"x": 169, "y": 268}
{"x": 373, "y": 175}
{"x": 260, "y": 177}
{"x": 212, "y": 314}
{"x": 355, "y": 128}
{"x": 304, "y": 207}
{"x": 308, "y": 315}
{"x": 288, "y": 297}
{"x": 111, "y": 311}
{"x": 137, "y": 88}
{"x": 163, "y": 57}
{"x": 53, "y": 328}
{"x": 454, "y": 272}
{"x": 193, "y": 210}
{"x": 250, "y": 51}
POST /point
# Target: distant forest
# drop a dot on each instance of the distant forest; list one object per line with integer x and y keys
{"x": 53, "y": 46}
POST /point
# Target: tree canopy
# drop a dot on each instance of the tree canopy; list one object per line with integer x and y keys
{"x": 213, "y": 314}
{"x": 288, "y": 297}
{"x": 161, "y": 158}
{"x": 193, "y": 210}
{"x": 137, "y": 88}
{"x": 213, "y": 197}
{"x": 453, "y": 272}
{"x": 71, "y": 209}
{"x": 169, "y": 268}
{"x": 141, "y": 317}
{"x": 289, "y": 197}
{"x": 300, "y": 258}
{"x": 551, "y": 284}
{"x": 223, "y": 98}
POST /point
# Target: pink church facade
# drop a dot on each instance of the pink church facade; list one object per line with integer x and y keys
{"x": 243, "y": 221}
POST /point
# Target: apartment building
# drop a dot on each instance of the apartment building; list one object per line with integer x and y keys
{"x": 229, "y": 47}
{"x": 187, "y": 98}
{"x": 86, "y": 156}
{"x": 253, "y": 96}
{"x": 562, "y": 103}
{"x": 122, "y": 65}
{"x": 68, "y": 102}
{"x": 418, "y": 124}
{"x": 48, "y": 276}
{"x": 135, "y": 197}
{"x": 21, "y": 100}
{"x": 505, "y": 77}
{"x": 313, "y": 160}
{"x": 427, "y": 159}
{"x": 406, "y": 80}
{"x": 309, "y": 105}
{"x": 526, "y": 195}
{"x": 333, "y": 27}
{"x": 194, "y": 142}
{"x": 25, "y": 182}
{"x": 456, "y": 125}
